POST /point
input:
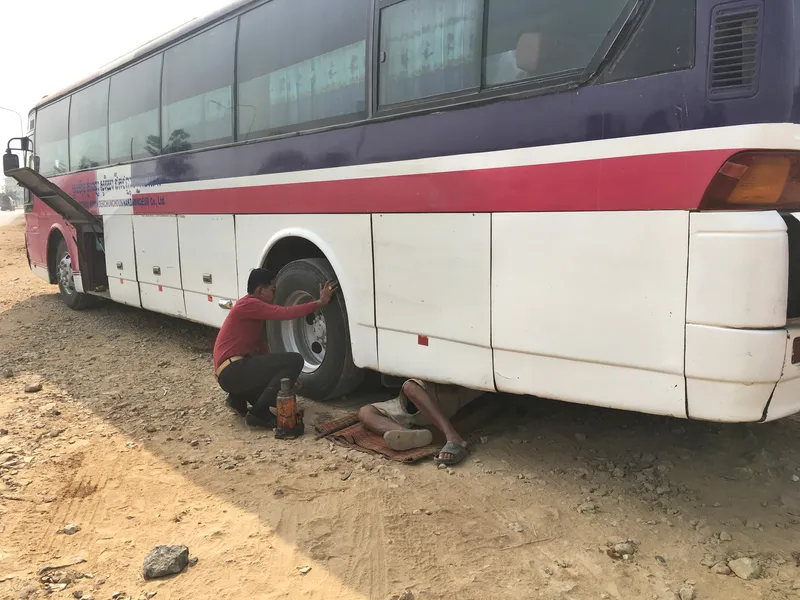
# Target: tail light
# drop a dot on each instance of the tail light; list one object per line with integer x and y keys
{"x": 756, "y": 180}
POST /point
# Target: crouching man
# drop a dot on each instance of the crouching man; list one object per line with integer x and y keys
{"x": 243, "y": 365}
{"x": 420, "y": 404}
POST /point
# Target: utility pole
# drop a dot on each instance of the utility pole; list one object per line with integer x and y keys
{"x": 19, "y": 116}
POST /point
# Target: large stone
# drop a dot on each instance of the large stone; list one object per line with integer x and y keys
{"x": 165, "y": 560}
{"x": 745, "y": 568}
{"x": 621, "y": 550}
{"x": 721, "y": 568}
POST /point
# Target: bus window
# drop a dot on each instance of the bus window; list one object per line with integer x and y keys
{"x": 527, "y": 39}
{"x": 52, "y": 144}
{"x": 664, "y": 42}
{"x": 429, "y": 48}
{"x": 197, "y": 91}
{"x": 88, "y": 133}
{"x": 133, "y": 112}
{"x": 293, "y": 75}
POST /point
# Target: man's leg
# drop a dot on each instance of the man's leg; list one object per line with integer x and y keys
{"x": 234, "y": 381}
{"x": 433, "y": 413}
{"x": 396, "y": 436}
{"x": 376, "y": 421}
{"x": 237, "y": 403}
{"x": 258, "y": 379}
{"x": 289, "y": 365}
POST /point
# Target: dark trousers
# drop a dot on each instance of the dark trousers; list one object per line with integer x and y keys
{"x": 257, "y": 379}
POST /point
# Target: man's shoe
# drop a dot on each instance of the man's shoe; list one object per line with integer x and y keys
{"x": 254, "y": 420}
{"x": 239, "y": 405}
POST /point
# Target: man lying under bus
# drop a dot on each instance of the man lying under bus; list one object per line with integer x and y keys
{"x": 243, "y": 365}
{"x": 420, "y": 404}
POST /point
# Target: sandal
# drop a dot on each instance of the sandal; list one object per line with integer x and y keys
{"x": 458, "y": 451}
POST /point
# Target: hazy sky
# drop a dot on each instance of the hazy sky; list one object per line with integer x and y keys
{"x": 49, "y": 44}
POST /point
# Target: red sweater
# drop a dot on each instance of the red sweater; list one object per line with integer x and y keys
{"x": 242, "y": 333}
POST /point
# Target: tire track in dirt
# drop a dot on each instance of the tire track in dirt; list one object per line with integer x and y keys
{"x": 84, "y": 495}
{"x": 366, "y": 566}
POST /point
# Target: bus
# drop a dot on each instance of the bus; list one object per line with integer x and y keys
{"x": 594, "y": 202}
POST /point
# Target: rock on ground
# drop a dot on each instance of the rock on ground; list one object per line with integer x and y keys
{"x": 686, "y": 593}
{"x": 71, "y": 529}
{"x": 621, "y": 550}
{"x": 745, "y": 568}
{"x": 165, "y": 560}
{"x": 721, "y": 569}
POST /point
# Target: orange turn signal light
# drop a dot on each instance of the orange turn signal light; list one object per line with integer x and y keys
{"x": 756, "y": 180}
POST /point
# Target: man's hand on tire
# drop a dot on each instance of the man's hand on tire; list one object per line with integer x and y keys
{"x": 326, "y": 292}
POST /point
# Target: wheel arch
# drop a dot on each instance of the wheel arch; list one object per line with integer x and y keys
{"x": 347, "y": 245}
{"x": 296, "y": 244}
{"x": 56, "y": 234}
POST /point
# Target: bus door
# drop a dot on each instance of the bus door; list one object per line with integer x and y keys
{"x": 33, "y": 239}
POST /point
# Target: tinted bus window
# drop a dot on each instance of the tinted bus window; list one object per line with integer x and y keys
{"x": 664, "y": 42}
{"x": 133, "y": 112}
{"x": 52, "y": 145}
{"x": 295, "y": 70}
{"x": 536, "y": 38}
{"x": 88, "y": 133}
{"x": 429, "y": 48}
{"x": 197, "y": 93}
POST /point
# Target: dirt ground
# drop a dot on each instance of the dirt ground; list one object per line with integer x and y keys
{"x": 129, "y": 440}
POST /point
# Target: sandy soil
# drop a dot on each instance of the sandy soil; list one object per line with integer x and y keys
{"x": 129, "y": 440}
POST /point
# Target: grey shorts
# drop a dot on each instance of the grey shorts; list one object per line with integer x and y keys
{"x": 450, "y": 398}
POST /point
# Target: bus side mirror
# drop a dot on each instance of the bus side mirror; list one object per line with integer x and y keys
{"x": 10, "y": 161}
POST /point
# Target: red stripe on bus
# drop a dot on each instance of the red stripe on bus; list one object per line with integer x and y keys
{"x": 674, "y": 181}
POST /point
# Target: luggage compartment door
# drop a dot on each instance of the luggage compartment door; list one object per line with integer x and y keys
{"x": 121, "y": 259}
{"x": 158, "y": 265}
{"x": 208, "y": 270}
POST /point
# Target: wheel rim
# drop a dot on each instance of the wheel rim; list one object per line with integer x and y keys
{"x": 308, "y": 336}
{"x": 66, "y": 278}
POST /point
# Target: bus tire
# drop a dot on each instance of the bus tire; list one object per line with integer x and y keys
{"x": 327, "y": 376}
{"x": 66, "y": 280}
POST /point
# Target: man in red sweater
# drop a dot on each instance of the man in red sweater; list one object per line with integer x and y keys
{"x": 242, "y": 363}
